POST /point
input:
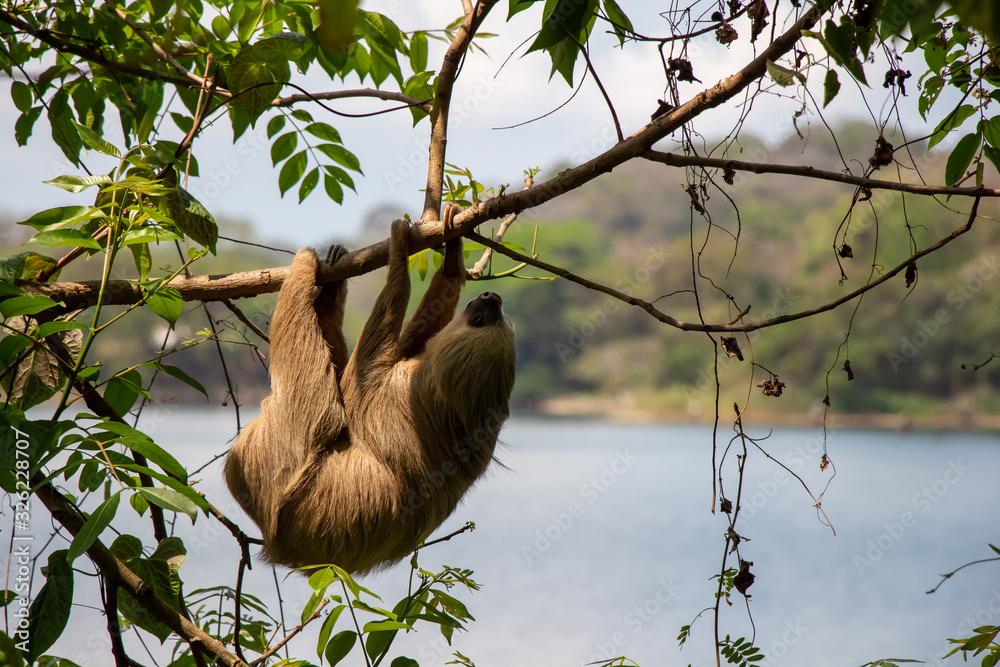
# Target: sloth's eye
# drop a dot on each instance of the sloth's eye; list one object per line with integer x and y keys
{"x": 477, "y": 320}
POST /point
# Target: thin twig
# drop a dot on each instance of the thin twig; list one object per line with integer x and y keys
{"x": 675, "y": 160}
{"x": 296, "y": 630}
{"x": 746, "y": 327}
{"x": 245, "y": 320}
{"x": 480, "y": 266}
{"x": 160, "y": 51}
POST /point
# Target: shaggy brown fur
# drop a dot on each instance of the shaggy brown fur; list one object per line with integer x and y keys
{"x": 354, "y": 463}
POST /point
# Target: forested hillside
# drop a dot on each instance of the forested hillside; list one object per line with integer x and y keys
{"x": 907, "y": 345}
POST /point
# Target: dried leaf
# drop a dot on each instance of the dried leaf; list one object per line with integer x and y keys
{"x": 882, "y": 155}
{"x": 911, "y": 273}
{"x": 744, "y": 579}
{"x": 683, "y": 69}
{"x": 726, "y": 34}
{"x": 731, "y": 347}
{"x": 757, "y": 11}
{"x": 772, "y": 387}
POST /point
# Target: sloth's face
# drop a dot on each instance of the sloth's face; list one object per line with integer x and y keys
{"x": 485, "y": 310}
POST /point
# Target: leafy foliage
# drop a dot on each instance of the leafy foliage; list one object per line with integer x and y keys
{"x": 105, "y": 78}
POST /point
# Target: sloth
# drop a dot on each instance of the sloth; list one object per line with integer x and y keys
{"x": 355, "y": 462}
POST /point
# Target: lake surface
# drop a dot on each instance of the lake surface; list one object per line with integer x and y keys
{"x": 597, "y": 540}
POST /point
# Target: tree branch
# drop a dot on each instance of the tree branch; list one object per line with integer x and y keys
{"x": 118, "y": 575}
{"x": 160, "y": 51}
{"x": 642, "y": 141}
{"x": 387, "y": 95}
{"x": 442, "y": 102}
{"x": 733, "y": 327}
{"x": 88, "y": 54}
{"x": 675, "y": 160}
{"x": 244, "y": 284}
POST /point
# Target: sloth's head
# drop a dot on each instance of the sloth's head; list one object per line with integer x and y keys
{"x": 473, "y": 359}
{"x": 485, "y": 310}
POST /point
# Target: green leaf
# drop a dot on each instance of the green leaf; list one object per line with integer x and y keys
{"x": 562, "y": 19}
{"x": 993, "y": 154}
{"x": 96, "y": 141}
{"x": 340, "y": 646}
{"x": 328, "y": 624}
{"x": 20, "y": 92}
{"x": 275, "y": 125}
{"x": 143, "y": 259}
{"x": 990, "y": 129}
{"x": 831, "y": 86}
{"x": 179, "y": 374}
{"x": 324, "y": 132}
{"x": 72, "y": 183}
{"x": 46, "y": 329}
{"x": 66, "y": 237}
{"x": 188, "y": 214}
{"x": 308, "y": 184}
{"x": 25, "y": 125}
{"x": 292, "y": 171}
{"x": 36, "y": 378}
{"x": 949, "y": 123}
{"x": 337, "y": 19}
{"x": 341, "y": 156}
{"x": 257, "y": 72}
{"x": 961, "y": 157}
{"x": 781, "y": 75}
{"x": 26, "y": 266}
{"x": 283, "y": 146}
{"x": 64, "y": 132}
{"x": 517, "y": 6}
{"x": 49, "y": 613}
{"x": 620, "y": 21}
{"x": 9, "y": 289}
{"x": 62, "y": 216}
{"x": 149, "y": 235}
{"x": 171, "y": 500}
{"x": 94, "y": 526}
{"x": 126, "y": 547}
{"x": 168, "y": 303}
{"x": 403, "y": 661}
{"x": 140, "y": 443}
{"x": 929, "y": 94}
{"x": 122, "y": 391}
{"x": 840, "y": 43}
{"x": 418, "y": 52}
{"x": 333, "y": 189}
{"x": 29, "y": 304}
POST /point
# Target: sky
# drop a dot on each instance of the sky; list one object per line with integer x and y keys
{"x": 493, "y": 91}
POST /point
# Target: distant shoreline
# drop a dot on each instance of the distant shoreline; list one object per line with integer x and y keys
{"x": 604, "y": 409}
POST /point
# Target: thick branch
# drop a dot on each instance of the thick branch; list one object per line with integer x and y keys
{"x": 731, "y": 327}
{"x": 247, "y": 283}
{"x": 117, "y": 574}
{"x": 674, "y": 160}
{"x": 88, "y": 54}
{"x": 442, "y": 102}
{"x": 642, "y": 141}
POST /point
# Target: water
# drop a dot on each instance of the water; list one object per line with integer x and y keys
{"x": 597, "y": 540}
